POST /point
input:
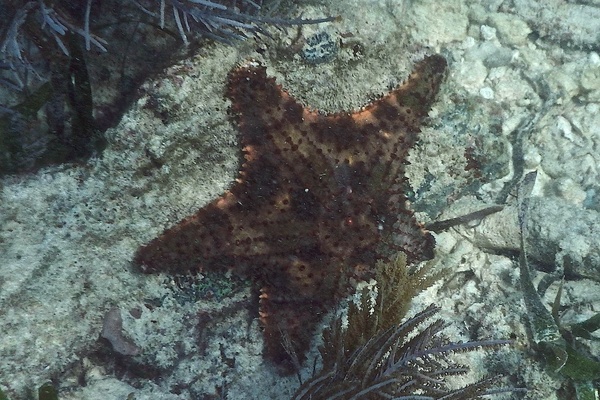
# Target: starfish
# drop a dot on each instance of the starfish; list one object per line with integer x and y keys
{"x": 316, "y": 198}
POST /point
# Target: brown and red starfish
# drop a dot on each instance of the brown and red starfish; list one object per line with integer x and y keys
{"x": 316, "y": 197}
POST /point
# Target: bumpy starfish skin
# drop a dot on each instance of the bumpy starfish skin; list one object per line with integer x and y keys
{"x": 315, "y": 198}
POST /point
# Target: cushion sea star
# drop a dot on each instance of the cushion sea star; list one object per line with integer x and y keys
{"x": 316, "y": 197}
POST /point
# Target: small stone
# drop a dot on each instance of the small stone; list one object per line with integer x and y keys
{"x": 112, "y": 330}
{"x": 566, "y": 83}
{"x": 592, "y": 109}
{"x": 564, "y": 126}
{"x": 570, "y": 191}
{"x": 468, "y": 43}
{"x": 472, "y": 74}
{"x": 590, "y": 77}
{"x": 487, "y": 32}
{"x": 487, "y": 93}
{"x": 532, "y": 159}
{"x": 319, "y": 48}
{"x": 491, "y": 54}
{"x": 511, "y": 29}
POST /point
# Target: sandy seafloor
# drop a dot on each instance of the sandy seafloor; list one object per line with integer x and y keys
{"x": 522, "y": 94}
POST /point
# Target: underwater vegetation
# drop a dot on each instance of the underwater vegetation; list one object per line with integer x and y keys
{"x": 45, "y": 392}
{"x": 559, "y": 346}
{"x": 371, "y": 354}
{"x": 56, "y": 56}
{"x": 219, "y": 20}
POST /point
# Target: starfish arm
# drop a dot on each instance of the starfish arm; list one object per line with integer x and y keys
{"x": 194, "y": 242}
{"x": 263, "y": 214}
{"x": 230, "y": 231}
{"x": 380, "y": 134}
{"x": 288, "y": 327}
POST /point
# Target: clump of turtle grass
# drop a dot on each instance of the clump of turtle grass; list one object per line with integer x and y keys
{"x": 560, "y": 347}
{"x": 69, "y": 69}
{"x": 45, "y": 392}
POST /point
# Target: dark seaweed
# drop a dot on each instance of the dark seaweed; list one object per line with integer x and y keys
{"x": 65, "y": 51}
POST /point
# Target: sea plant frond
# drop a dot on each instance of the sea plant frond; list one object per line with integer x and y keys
{"x": 377, "y": 356}
{"x": 216, "y": 20}
{"x": 559, "y": 345}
